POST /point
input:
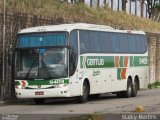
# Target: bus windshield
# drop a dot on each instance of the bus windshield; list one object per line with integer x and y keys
{"x": 41, "y": 63}
{"x": 41, "y": 55}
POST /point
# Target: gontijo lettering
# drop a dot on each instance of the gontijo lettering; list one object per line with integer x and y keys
{"x": 95, "y": 62}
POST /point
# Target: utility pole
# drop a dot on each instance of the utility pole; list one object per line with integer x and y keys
{"x": 3, "y": 53}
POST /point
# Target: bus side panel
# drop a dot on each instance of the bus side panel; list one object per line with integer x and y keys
{"x": 74, "y": 85}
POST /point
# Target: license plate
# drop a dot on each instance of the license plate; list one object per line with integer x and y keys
{"x": 39, "y": 93}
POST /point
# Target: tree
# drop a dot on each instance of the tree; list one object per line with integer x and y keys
{"x": 98, "y": 3}
{"x": 142, "y": 8}
{"x": 124, "y": 4}
{"x": 81, "y": 1}
{"x": 91, "y": 3}
{"x": 151, "y": 6}
{"x": 105, "y": 4}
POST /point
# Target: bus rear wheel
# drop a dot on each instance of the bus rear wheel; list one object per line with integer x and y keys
{"x": 85, "y": 92}
{"x": 39, "y": 101}
{"x": 119, "y": 94}
{"x": 135, "y": 88}
{"x": 128, "y": 92}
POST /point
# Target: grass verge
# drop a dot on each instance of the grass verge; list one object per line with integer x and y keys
{"x": 154, "y": 85}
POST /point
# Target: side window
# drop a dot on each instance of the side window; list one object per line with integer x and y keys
{"x": 74, "y": 41}
{"x": 73, "y": 51}
{"x": 84, "y": 42}
{"x": 138, "y": 44}
{"x": 132, "y": 43}
{"x": 115, "y": 43}
{"x": 144, "y": 43}
{"x": 94, "y": 41}
{"x": 123, "y": 43}
{"x": 105, "y": 42}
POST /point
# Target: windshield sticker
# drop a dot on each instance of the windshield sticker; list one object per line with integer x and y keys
{"x": 42, "y": 51}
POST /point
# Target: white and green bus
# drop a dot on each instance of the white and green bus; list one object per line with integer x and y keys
{"x": 79, "y": 60}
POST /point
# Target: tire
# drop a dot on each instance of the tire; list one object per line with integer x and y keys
{"x": 94, "y": 96}
{"x": 119, "y": 94}
{"x": 135, "y": 88}
{"x": 128, "y": 92}
{"x": 85, "y": 93}
{"x": 39, "y": 101}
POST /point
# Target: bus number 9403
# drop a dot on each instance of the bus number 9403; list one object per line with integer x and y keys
{"x": 56, "y": 82}
{"x": 143, "y": 61}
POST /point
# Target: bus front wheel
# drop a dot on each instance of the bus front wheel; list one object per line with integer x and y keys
{"x": 85, "y": 92}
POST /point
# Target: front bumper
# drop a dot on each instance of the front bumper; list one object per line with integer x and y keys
{"x": 47, "y": 93}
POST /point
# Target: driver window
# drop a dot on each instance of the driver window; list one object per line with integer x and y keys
{"x": 51, "y": 57}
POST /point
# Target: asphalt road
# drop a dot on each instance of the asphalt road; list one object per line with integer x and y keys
{"x": 108, "y": 105}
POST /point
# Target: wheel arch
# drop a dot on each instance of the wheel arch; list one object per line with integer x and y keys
{"x": 88, "y": 83}
{"x": 129, "y": 78}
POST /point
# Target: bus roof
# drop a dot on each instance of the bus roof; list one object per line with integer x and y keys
{"x": 80, "y": 26}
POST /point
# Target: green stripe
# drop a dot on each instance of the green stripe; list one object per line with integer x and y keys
{"x": 97, "y": 61}
{"x": 119, "y": 73}
{"x": 121, "y": 61}
{"x": 44, "y": 82}
{"x": 108, "y": 61}
{"x": 131, "y": 61}
{"x": 17, "y": 83}
{"x": 81, "y": 59}
{"x": 140, "y": 61}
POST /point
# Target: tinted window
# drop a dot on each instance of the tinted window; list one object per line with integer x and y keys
{"x": 74, "y": 41}
{"x": 144, "y": 43}
{"x": 94, "y": 38}
{"x": 73, "y": 52}
{"x": 115, "y": 43}
{"x": 105, "y": 42}
{"x": 132, "y": 44}
{"x": 137, "y": 43}
{"x": 109, "y": 42}
{"x": 42, "y": 39}
{"x": 84, "y": 42}
{"x": 123, "y": 42}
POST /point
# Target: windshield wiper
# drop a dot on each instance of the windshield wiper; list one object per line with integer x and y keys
{"x": 33, "y": 63}
{"x": 43, "y": 63}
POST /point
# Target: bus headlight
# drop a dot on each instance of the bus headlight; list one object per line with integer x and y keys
{"x": 20, "y": 87}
